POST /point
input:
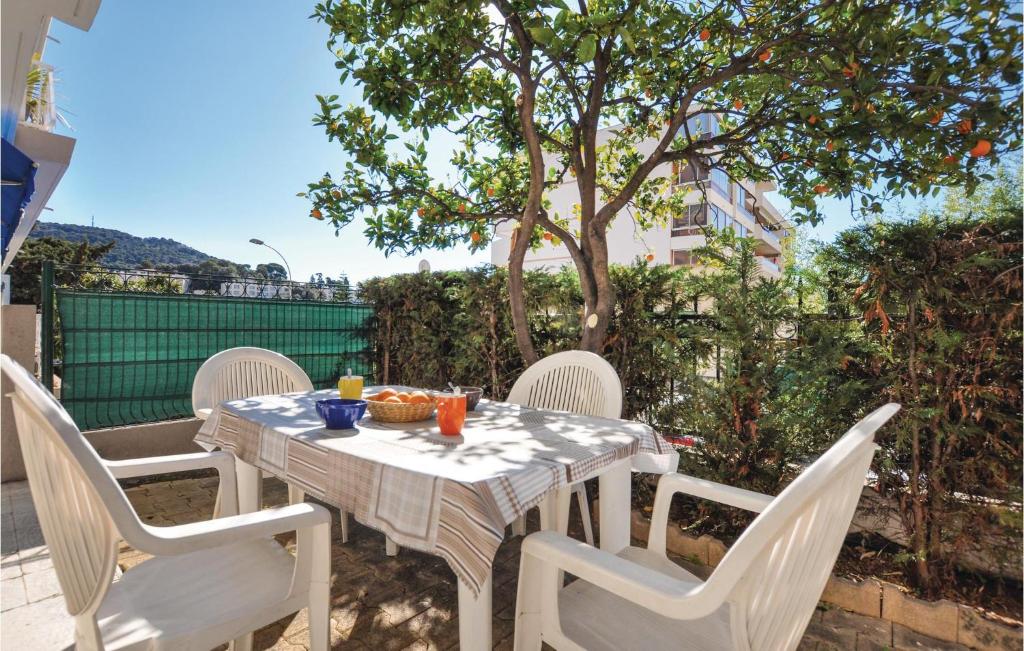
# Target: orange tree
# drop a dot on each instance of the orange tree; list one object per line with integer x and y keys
{"x": 859, "y": 99}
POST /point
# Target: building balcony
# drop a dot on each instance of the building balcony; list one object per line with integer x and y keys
{"x": 768, "y": 243}
{"x": 768, "y": 268}
{"x": 40, "y": 101}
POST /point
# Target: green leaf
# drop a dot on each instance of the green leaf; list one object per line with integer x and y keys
{"x": 587, "y": 47}
{"x": 627, "y": 38}
{"x": 543, "y": 34}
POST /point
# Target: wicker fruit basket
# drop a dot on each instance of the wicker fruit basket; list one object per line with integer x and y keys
{"x": 399, "y": 412}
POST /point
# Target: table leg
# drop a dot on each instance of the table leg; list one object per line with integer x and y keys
{"x": 615, "y": 506}
{"x": 554, "y": 511}
{"x": 475, "y": 617}
{"x": 249, "y": 486}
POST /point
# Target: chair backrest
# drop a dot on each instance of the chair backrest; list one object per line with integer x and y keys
{"x": 575, "y": 380}
{"x": 80, "y": 506}
{"x": 243, "y": 373}
{"x": 776, "y": 571}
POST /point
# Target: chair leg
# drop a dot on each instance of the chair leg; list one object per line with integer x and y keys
{"x": 528, "y": 624}
{"x": 320, "y": 591}
{"x": 584, "y": 503}
{"x": 241, "y": 643}
{"x": 344, "y": 526}
{"x": 390, "y": 547}
{"x": 519, "y": 526}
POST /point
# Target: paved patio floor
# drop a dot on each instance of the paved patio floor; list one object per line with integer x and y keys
{"x": 405, "y": 602}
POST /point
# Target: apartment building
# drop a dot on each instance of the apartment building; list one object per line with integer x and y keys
{"x": 712, "y": 201}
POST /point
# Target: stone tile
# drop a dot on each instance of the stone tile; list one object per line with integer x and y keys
{"x": 41, "y": 585}
{"x": 29, "y": 536}
{"x": 12, "y": 594}
{"x": 42, "y": 626}
{"x": 977, "y": 632}
{"x": 905, "y": 639}
{"x": 35, "y": 559}
{"x": 934, "y": 619}
{"x": 10, "y": 566}
{"x": 864, "y": 597}
{"x": 870, "y": 632}
{"x": 831, "y": 635}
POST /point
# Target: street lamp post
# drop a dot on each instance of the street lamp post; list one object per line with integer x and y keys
{"x": 260, "y": 242}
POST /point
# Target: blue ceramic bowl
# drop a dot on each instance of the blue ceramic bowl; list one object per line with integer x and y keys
{"x": 340, "y": 413}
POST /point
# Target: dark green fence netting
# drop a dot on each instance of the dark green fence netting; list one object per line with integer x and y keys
{"x": 131, "y": 358}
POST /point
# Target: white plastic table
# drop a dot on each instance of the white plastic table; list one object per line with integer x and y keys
{"x": 448, "y": 496}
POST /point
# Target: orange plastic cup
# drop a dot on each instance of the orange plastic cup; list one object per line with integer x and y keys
{"x": 451, "y": 413}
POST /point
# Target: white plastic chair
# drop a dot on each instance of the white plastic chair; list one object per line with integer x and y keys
{"x": 208, "y": 582}
{"x": 245, "y": 372}
{"x": 760, "y": 597}
{"x": 576, "y": 381}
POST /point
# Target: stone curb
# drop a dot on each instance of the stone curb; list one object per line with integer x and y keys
{"x": 943, "y": 620}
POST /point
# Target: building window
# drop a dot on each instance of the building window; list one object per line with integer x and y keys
{"x": 702, "y": 127}
{"x": 720, "y": 181}
{"x": 690, "y": 223}
{"x": 683, "y": 258}
{"x": 743, "y": 199}
{"x": 691, "y": 172}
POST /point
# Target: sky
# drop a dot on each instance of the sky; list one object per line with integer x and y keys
{"x": 193, "y": 121}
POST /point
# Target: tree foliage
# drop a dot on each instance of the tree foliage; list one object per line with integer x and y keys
{"x": 26, "y": 268}
{"x": 940, "y": 298}
{"x": 848, "y": 98}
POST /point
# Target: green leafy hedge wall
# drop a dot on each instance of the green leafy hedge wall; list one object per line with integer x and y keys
{"x": 455, "y": 326}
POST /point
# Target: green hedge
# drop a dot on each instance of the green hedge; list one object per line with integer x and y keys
{"x": 455, "y": 326}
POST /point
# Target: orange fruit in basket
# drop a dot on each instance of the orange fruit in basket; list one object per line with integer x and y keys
{"x": 418, "y": 398}
{"x": 402, "y": 396}
{"x": 384, "y": 395}
{"x": 393, "y": 400}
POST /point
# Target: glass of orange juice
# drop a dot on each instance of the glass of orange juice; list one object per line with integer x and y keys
{"x": 451, "y": 412}
{"x": 350, "y": 386}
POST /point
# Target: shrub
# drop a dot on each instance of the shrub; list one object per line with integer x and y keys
{"x": 940, "y": 299}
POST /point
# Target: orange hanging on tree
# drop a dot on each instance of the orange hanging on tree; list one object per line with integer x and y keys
{"x": 705, "y": 34}
{"x": 982, "y": 148}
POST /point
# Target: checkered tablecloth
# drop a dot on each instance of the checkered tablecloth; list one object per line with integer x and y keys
{"x": 447, "y": 496}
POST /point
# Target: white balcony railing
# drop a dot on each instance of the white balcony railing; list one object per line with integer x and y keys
{"x": 769, "y": 266}
{"x": 771, "y": 238}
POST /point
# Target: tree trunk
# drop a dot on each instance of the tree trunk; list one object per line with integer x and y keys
{"x": 517, "y": 303}
{"x": 597, "y": 313}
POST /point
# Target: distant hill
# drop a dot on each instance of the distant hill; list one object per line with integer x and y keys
{"x": 129, "y": 250}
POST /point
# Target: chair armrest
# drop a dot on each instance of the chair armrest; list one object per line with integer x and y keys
{"x": 673, "y": 483}
{"x": 224, "y": 462}
{"x": 196, "y": 536}
{"x": 653, "y": 590}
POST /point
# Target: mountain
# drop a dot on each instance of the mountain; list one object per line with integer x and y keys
{"x": 129, "y": 250}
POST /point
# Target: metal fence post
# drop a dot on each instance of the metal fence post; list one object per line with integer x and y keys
{"x": 46, "y": 326}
